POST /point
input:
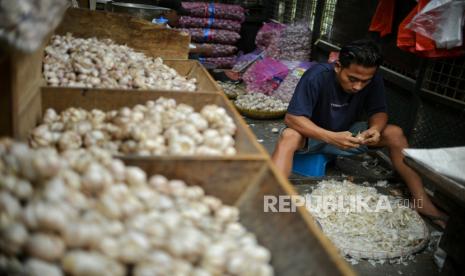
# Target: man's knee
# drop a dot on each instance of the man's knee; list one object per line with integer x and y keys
{"x": 290, "y": 137}
{"x": 394, "y": 136}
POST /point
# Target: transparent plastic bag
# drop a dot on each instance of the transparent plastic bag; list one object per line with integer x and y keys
{"x": 287, "y": 87}
{"x": 243, "y": 61}
{"x": 268, "y": 34}
{"x": 441, "y": 21}
{"x": 294, "y": 43}
{"x": 265, "y": 76}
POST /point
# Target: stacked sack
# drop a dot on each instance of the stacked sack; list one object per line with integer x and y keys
{"x": 214, "y": 27}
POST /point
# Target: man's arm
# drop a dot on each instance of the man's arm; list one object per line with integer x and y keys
{"x": 307, "y": 128}
{"x": 377, "y": 122}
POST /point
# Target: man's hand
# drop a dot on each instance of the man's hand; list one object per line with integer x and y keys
{"x": 370, "y": 137}
{"x": 343, "y": 140}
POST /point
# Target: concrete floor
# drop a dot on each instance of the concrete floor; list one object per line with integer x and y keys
{"x": 422, "y": 264}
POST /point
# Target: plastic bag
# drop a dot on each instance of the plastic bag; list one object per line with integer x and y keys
{"x": 441, "y": 21}
{"x": 287, "y": 87}
{"x": 294, "y": 43}
{"x": 423, "y": 46}
{"x": 333, "y": 56}
{"x": 212, "y": 35}
{"x": 265, "y": 76}
{"x": 203, "y": 22}
{"x": 383, "y": 17}
{"x": 243, "y": 61}
{"x": 269, "y": 33}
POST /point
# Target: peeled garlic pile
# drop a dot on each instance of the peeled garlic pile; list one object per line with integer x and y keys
{"x": 156, "y": 128}
{"x": 83, "y": 213}
{"x": 378, "y": 232}
{"x": 260, "y": 102}
{"x": 79, "y": 62}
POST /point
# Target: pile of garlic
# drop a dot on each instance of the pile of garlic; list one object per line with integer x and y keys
{"x": 231, "y": 89}
{"x": 378, "y": 232}
{"x": 81, "y": 212}
{"x": 79, "y": 62}
{"x": 260, "y": 102}
{"x": 157, "y": 128}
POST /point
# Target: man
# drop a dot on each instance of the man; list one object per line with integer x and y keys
{"x": 324, "y": 109}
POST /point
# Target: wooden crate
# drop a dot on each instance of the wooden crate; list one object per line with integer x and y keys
{"x": 297, "y": 245}
{"x": 137, "y": 33}
{"x": 21, "y": 73}
{"x": 142, "y": 36}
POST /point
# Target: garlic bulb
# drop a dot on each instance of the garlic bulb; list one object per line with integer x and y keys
{"x": 45, "y": 246}
{"x": 12, "y": 238}
{"x": 96, "y": 216}
{"x": 78, "y": 62}
{"x": 156, "y": 128}
{"x": 36, "y": 267}
{"x": 91, "y": 263}
{"x": 260, "y": 102}
{"x": 231, "y": 90}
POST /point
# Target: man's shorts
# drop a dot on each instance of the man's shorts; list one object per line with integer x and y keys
{"x": 317, "y": 146}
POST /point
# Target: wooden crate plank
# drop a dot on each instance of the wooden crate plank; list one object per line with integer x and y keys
{"x": 297, "y": 244}
{"x": 20, "y": 87}
{"x": 225, "y": 179}
{"x": 6, "y": 96}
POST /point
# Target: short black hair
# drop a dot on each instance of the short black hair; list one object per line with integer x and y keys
{"x": 362, "y": 52}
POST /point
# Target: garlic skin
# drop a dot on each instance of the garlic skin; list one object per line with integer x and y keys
{"x": 368, "y": 229}
{"x": 160, "y": 127}
{"x": 100, "y": 63}
{"x": 92, "y": 215}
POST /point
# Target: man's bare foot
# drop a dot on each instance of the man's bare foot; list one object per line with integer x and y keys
{"x": 437, "y": 217}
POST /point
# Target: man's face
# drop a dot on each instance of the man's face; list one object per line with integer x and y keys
{"x": 355, "y": 77}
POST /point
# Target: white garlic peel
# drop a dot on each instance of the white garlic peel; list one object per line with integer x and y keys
{"x": 95, "y": 216}
{"x": 159, "y": 127}
{"x": 387, "y": 227}
{"x": 260, "y": 102}
{"x": 94, "y": 63}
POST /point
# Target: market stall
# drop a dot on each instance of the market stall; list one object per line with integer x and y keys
{"x": 71, "y": 184}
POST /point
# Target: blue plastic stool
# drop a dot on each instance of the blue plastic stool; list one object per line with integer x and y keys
{"x": 310, "y": 164}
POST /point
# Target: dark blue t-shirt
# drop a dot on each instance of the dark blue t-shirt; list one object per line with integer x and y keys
{"x": 319, "y": 97}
